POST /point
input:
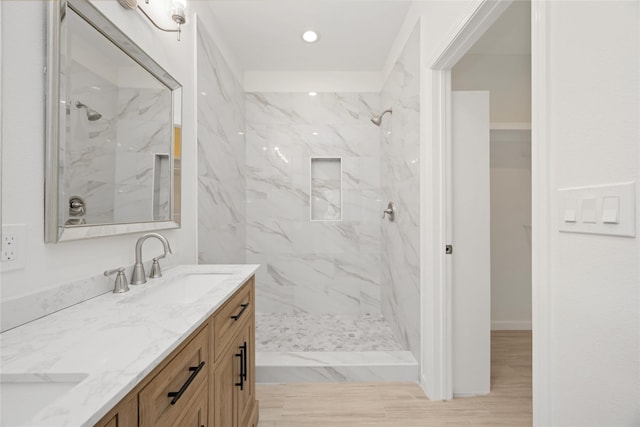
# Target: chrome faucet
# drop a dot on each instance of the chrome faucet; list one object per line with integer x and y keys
{"x": 138, "y": 276}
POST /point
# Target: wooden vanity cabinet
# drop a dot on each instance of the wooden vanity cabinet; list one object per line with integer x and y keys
{"x": 246, "y": 405}
{"x": 125, "y": 414}
{"x": 206, "y": 370}
{"x": 169, "y": 396}
{"x": 234, "y": 380}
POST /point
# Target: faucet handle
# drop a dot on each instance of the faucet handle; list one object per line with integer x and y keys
{"x": 120, "y": 284}
{"x": 155, "y": 268}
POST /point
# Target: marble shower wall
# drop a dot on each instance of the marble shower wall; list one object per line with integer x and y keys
{"x": 221, "y": 158}
{"x": 92, "y": 149}
{"x": 113, "y": 157}
{"x": 400, "y": 154}
{"x": 318, "y": 267}
{"x": 144, "y": 132}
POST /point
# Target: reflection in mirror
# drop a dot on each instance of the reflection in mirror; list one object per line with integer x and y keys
{"x": 119, "y": 122}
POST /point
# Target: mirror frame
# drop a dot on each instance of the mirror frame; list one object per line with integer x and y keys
{"x": 55, "y": 231}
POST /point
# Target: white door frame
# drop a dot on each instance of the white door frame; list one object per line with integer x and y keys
{"x": 436, "y": 293}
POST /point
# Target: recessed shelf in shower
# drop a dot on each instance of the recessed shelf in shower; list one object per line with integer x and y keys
{"x": 326, "y": 189}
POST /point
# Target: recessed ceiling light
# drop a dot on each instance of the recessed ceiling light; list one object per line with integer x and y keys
{"x": 310, "y": 36}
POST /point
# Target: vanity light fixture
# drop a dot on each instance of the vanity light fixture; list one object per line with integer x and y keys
{"x": 310, "y": 36}
{"x": 176, "y": 10}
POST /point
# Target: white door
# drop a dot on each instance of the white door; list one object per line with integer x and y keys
{"x": 470, "y": 267}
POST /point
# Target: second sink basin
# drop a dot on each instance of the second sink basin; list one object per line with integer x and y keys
{"x": 186, "y": 288}
{"x": 22, "y": 396}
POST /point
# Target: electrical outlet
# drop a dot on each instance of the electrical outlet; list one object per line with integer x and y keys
{"x": 9, "y": 249}
{"x": 12, "y": 253}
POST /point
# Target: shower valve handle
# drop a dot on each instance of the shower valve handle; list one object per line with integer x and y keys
{"x": 391, "y": 211}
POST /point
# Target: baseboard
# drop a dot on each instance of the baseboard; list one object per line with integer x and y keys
{"x": 511, "y": 325}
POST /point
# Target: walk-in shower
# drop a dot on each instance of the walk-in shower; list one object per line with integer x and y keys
{"x": 337, "y": 291}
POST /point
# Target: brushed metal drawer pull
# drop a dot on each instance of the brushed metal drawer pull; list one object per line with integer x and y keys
{"x": 237, "y": 316}
{"x": 178, "y": 394}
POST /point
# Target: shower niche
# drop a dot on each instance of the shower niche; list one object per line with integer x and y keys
{"x": 326, "y": 189}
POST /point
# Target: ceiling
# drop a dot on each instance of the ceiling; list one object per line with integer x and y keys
{"x": 265, "y": 35}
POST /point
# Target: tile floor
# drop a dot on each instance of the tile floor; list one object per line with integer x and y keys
{"x": 331, "y": 333}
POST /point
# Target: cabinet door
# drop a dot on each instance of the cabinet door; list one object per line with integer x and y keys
{"x": 224, "y": 378}
{"x": 245, "y": 396}
{"x": 196, "y": 415}
{"x": 125, "y": 414}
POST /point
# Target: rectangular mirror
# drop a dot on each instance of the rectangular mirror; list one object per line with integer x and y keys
{"x": 114, "y": 121}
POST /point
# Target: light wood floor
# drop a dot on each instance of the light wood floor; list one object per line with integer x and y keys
{"x": 404, "y": 404}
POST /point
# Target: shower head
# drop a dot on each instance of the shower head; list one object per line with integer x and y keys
{"x": 92, "y": 114}
{"x": 377, "y": 120}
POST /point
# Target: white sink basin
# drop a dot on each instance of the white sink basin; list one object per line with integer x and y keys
{"x": 186, "y": 288}
{"x": 22, "y": 396}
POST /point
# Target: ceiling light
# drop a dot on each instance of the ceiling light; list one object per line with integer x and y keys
{"x": 310, "y": 36}
{"x": 313, "y": 93}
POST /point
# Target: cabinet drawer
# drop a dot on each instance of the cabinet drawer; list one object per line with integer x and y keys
{"x": 196, "y": 414}
{"x": 178, "y": 382}
{"x": 231, "y": 316}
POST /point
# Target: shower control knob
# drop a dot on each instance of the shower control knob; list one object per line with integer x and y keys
{"x": 390, "y": 211}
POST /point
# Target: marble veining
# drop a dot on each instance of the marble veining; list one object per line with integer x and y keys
{"x": 295, "y": 348}
{"x": 400, "y": 169}
{"x": 354, "y": 366}
{"x": 221, "y": 157}
{"x": 113, "y": 157}
{"x": 114, "y": 339}
{"x": 331, "y": 266}
{"x": 22, "y": 309}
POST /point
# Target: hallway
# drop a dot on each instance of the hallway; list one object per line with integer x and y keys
{"x": 404, "y": 404}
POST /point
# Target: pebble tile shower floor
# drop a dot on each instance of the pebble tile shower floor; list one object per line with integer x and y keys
{"x": 300, "y": 332}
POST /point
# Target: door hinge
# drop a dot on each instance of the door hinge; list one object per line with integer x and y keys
{"x": 448, "y": 249}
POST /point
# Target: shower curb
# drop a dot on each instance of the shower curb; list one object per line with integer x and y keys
{"x": 356, "y": 366}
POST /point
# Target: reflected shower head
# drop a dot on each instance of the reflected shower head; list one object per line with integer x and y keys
{"x": 377, "y": 120}
{"x": 92, "y": 114}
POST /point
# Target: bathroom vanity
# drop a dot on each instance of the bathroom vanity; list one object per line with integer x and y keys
{"x": 177, "y": 351}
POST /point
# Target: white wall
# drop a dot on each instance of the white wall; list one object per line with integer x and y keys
{"x": 507, "y": 77}
{"x": 510, "y": 229}
{"x": 439, "y": 20}
{"x": 594, "y": 131}
{"x": 400, "y": 184}
{"x": 23, "y": 105}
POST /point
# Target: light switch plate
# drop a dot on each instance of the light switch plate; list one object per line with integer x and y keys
{"x": 596, "y": 209}
{"x": 610, "y": 210}
{"x": 589, "y": 210}
{"x": 570, "y": 207}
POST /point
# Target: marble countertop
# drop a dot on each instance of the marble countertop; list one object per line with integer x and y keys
{"x": 114, "y": 340}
